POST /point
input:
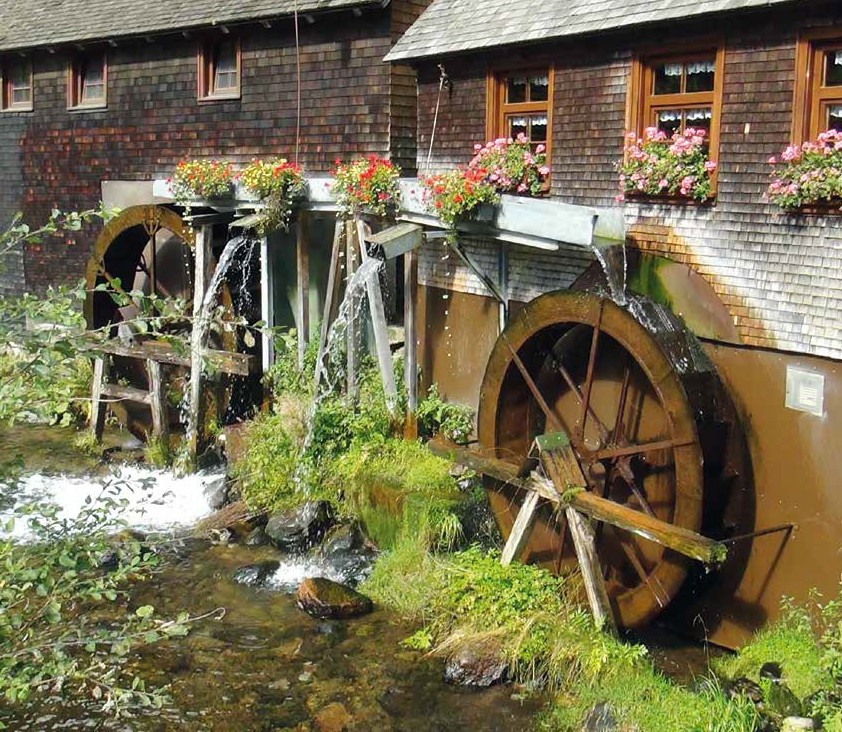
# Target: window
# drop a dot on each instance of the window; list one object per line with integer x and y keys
{"x": 818, "y": 89}
{"x": 86, "y": 81}
{"x": 677, "y": 91}
{"x": 219, "y": 70}
{"x": 520, "y": 102}
{"x": 16, "y": 82}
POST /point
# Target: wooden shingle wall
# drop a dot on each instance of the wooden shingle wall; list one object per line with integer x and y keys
{"x": 52, "y": 157}
{"x": 780, "y": 276}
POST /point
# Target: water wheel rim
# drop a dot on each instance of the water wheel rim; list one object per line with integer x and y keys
{"x": 638, "y": 605}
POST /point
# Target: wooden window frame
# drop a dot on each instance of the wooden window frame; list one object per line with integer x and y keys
{"x": 808, "y": 97}
{"x": 639, "y": 99}
{"x": 206, "y": 65}
{"x": 497, "y": 109}
{"x": 6, "y": 89}
{"x": 76, "y": 83}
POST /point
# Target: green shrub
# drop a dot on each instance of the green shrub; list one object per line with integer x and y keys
{"x": 266, "y": 472}
{"x": 435, "y": 416}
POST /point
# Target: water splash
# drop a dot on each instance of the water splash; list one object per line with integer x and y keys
{"x": 141, "y": 498}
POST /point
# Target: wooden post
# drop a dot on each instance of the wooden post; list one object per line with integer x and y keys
{"x": 195, "y": 417}
{"x": 331, "y": 296}
{"x": 522, "y": 528}
{"x": 157, "y": 400}
{"x": 267, "y": 309}
{"x": 351, "y": 334}
{"x": 583, "y": 541}
{"x": 410, "y": 287}
{"x": 102, "y": 366}
{"x": 378, "y": 324}
{"x": 302, "y": 301}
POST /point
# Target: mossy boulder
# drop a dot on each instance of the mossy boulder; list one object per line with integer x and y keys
{"x": 324, "y": 598}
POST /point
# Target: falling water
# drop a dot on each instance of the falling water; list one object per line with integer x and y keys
{"x": 331, "y": 371}
{"x": 201, "y": 326}
{"x": 615, "y": 267}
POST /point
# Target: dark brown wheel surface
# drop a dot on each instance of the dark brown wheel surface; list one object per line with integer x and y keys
{"x": 617, "y": 395}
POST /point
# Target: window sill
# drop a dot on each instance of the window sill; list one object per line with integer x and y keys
{"x": 670, "y": 200}
{"x": 17, "y": 110}
{"x": 220, "y": 98}
{"x": 820, "y": 208}
{"x": 88, "y": 108}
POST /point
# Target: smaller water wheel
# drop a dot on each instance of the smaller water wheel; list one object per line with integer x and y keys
{"x": 147, "y": 249}
{"x": 620, "y": 398}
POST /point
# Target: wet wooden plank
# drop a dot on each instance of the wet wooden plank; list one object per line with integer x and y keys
{"x": 410, "y": 294}
{"x": 128, "y": 393}
{"x": 331, "y": 295}
{"x": 241, "y": 364}
{"x": 302, "y": 297}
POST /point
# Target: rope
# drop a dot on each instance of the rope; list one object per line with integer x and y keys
{"x": 442, "y": 81}
{"x": 297, "y": 84}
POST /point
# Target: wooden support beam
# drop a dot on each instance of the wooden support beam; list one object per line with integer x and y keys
{"x": 351, "y": 332}
{"x": 267, "y": 304}
{"x": 583, "y": 541}
{"x": 410, "y": 293}
{"x": 334, "y": 280}
{"x": 378, "y": 324}
{"x": 302, "y": 274}
{"x": 157, "y": 400}
{"x": 228, "y": 362}
{"x": 102, "y": 367}
{"x": 195, "y": 416}
{"x": 126, "y": 393}
{"x": 522, "y": 529}
{"x": 677, "y": 538}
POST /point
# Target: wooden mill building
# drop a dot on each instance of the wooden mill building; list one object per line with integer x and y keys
{"x": 101, "y": 98}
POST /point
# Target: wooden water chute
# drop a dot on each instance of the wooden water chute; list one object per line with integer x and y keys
{"x": 578, "y": 366}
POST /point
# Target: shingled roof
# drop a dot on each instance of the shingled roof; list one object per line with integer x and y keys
{"x": 452, "y": 26}
{"x": 33, "y": 23}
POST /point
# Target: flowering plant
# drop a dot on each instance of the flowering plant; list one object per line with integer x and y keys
{"x": 455, "y": 195}
{"x": 277, "y": 183}
{"x": 657, "y": 165}
{"x": 370, "y": 183}
{"x": 808, "y": 173}
{"x": 511, "y": 166}
{"x": 202, "y": 179}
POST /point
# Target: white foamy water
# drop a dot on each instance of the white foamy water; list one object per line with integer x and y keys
{"x": 145, "y": 499}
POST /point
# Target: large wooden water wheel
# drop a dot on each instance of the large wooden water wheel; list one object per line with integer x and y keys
{"x": 581, "y": 362}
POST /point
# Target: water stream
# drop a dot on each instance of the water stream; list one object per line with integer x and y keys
{"x": 264, "y": 665}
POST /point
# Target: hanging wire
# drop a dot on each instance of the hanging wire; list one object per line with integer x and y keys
{"x": 297, "y": 84}
{"x": 443, "y": 80}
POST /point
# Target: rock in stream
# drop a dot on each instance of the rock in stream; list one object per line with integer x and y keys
{"x": 299, "y": 528}
{"x": 323, "y": 598}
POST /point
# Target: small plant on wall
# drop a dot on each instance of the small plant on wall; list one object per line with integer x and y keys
{"x": 201, "y": 180}
{"x": 367, "y": 184}
{"x": 808, "y": 174}
{"x": 659, "y": 165}
{"x": 512, "y": 166}
{"x": 278, "y": 183}
{"x": 457, "y": 195}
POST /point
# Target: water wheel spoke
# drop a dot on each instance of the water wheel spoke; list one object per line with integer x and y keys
{"x": 627, "y": 476}
{"x": 577, "y": 392}
{"x": 586, "y": 398}
{"x": 617, "y": 432}
{"x": 619, "y": 451}
{"x": 552, "y": 418}
{"x": 632, "y": 552}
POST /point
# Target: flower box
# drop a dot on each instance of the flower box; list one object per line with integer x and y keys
{"x": 807, "y": 178}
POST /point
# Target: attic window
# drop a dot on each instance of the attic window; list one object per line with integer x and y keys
{"x": 520, "y": 102}
{"x": 16, "y": 86}
{"x": 219, "y": 70}
{"x": 87, "y": 81}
